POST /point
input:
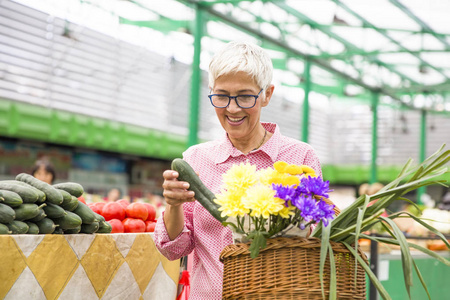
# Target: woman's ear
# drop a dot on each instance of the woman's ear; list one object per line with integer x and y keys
{"x": 268, "y": 95}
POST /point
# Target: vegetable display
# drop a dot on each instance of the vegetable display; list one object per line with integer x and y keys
{"x": 31, "y": 206}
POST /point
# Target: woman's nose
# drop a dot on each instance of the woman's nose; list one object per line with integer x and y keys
{"x": 233, "y": 107}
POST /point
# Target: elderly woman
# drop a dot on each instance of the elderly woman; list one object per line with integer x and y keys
{"x": 240, "y": 78}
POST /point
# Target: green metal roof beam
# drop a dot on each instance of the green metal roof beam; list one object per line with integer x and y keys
{"x": 352, "y": 12}
{"x": 378, "y": 52}
{"x": 422, "y": 24}
{"x": 331, "y": 34}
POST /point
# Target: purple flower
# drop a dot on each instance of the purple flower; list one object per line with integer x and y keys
{"x": 314, "y": 186}
{"x": 307, "y": 207}
{"x": 284, "y": 192}
{"x": 324, "y": 212}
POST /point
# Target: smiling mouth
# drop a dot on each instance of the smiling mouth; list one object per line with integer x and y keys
{"x": 235, "y": 119}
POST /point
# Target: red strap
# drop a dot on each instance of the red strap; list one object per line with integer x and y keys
{"x": 184, "y": 281}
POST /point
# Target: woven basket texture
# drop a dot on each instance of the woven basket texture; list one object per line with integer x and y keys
{"x": 288, "y": 268}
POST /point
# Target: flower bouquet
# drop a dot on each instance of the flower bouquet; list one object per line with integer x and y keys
{"x": 269, "y": 206}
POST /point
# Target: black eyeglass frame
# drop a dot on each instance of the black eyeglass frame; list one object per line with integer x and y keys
{"x": 235, "y": 99}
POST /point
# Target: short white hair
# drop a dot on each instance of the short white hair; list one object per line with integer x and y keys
{"x": 242, "y": 57}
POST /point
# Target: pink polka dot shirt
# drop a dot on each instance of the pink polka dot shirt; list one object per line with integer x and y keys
{"x": 202, "y": 233}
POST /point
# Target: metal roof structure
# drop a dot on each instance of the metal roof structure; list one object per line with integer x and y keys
{"x": 397, "y": 49}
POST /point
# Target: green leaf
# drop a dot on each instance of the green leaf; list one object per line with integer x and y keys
{"x": 259, "y": 242}
{"x": 323, "y": 253}
{"x": 421, "y": 279}
{"x": 405, "y": 254}
{"x": 372, "y": 276}
{"x": 333, "y": 288}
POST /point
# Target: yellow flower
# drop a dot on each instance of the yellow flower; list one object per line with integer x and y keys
{"x": 293, "y": 170}
{"x": 261, "y": 201}
{"x": 231, "y": 204}
{"x": 240, "y": 177}
{"x": 308, "y": 171}
{"x": 280, "y": 166}
{"x": 287, "y": 211}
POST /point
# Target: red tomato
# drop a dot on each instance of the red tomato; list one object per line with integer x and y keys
{"x": 151, "y": 211}
{"x": 150, "y": 226}
{"x": 113, "y": 210}
{"x": 133, "y": 225}
{"x": 123, "y": 202}
{"x": 137, "y": 210}
{"x": 95, "y": 208}
{"x": 117, "y": 226}
{"x": 81, "y": 198}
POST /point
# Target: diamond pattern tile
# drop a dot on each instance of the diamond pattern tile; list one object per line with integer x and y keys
{"x": 53, "y": 263}
{"x": 11, "y": 259}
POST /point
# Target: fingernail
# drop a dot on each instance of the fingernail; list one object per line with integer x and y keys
{"x": 186, "y": 185}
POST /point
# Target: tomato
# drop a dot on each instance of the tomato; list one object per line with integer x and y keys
{"x": 117, "y": 226}
{"x": 151, "y": 211}
{"x": 123, "y": 202}
{"x": 95, "y": 208}
{"x": 150, "y": 226}
{"x": 133, "y": 225}
{"x": 137, "y": 210}
{"x": 81, "y": 198}
{"x": 113, "y": 210}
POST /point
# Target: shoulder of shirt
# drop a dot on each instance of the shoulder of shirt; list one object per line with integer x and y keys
{"x": 202, "y": 148}
{"x": 289, "y": 143}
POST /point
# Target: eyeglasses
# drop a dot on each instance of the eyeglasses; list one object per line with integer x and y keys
{"x": 243, "y": 101}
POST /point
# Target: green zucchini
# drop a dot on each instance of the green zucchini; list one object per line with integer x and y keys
{"x": 10, "y": 198}
{"x": 70, "y": 206}
{"x": 104, "y": 227}
{"x": 66, "y": 196}
{"x": 46, "y": 226}
{"x": 7, "y": 214}
{"x": 54, "y": 211}
{"x": 73, "y": 231}
{"x": 4, "y": 229}
{"x": 18, "y": 227}
{"x": 86, "y": 214}
{"x": 90, "y": 228}
{"x": 27, "y": 211}
{"x": 32, "y": 228}
{"x": 68, "y": 221}
{"x": 99, "y": 217}
{"x": 52, "y": 195}
{"x": 26, "y": 194}
{"x": 202, "y": 194}
{"x": 39, "y": 216}
{"x": 41, "y": 194}
{"x": 73, "y": 188}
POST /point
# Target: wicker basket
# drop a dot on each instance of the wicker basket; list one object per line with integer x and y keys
{"x": 288, "y": 268}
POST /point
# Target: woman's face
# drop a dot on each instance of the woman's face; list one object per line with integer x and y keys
{"x": 240, "y": 123}
{"x": 43, "y": 175}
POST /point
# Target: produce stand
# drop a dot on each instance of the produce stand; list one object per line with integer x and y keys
{"x": 85, "y": 266}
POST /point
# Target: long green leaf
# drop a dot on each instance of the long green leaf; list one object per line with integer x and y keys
{"x": 333, "y": 288}
{"x": 323, "y": 253}
{"x": 405, "y": 254}
{"x": 359, "y": 222}
{"x": 421, "y": 279}
{"x": 372, "y": 276}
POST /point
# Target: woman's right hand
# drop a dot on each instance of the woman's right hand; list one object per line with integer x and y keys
{"x": 176, "y": 192}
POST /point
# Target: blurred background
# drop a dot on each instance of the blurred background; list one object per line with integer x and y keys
{"x": 112, "y": 90}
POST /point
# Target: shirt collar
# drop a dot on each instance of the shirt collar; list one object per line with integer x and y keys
{"x": 226, "y": 149}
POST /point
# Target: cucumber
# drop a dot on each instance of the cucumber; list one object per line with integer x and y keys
{"x": 70, "y": 206}
{"x": 73, "y": 188}
{"x": 54, "y": 211}
{"x": 10, "y": 198}
{"x": 104, "y": 227}
{"x": 66, "y": 196}
{"x": 32, "y": 228}
{"x": 39, "y": 216}
{"x": 202, "y": 194}
{"x": 4, "y": 229}
{"x": 46, "y": 226}
{"x": 26, "y": 194}
{"x": 18, "y": 227}
{"x": 99, "y": 217}
{"x": 58, "y": 231}
{"x": 27, "y": 211}
{"x": 7, "y": 214}
{"x": 86, "y": 214}
{"x": 52, "y": 195}
{"x": 89, "y": 228}
{"x": 69, "y": 221}
{"x": 41, "y": 195}
{"x": 73, "y": 231}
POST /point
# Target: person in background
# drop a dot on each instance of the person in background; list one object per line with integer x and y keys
{"x": 240, "y": 79}
{"x": 44, "y": 171}
{"x": 113, "y": 195}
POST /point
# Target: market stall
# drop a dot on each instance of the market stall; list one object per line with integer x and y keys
{"x": 85, "y": 266}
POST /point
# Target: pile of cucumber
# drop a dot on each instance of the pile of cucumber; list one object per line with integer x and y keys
{"x": 31, "y": 206}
